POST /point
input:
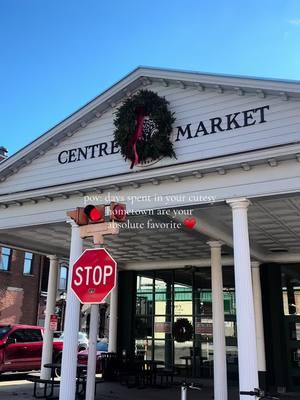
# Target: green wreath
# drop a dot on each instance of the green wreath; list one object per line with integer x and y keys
{"x": 143, "y": 127}
{"x": 182, "y": 330}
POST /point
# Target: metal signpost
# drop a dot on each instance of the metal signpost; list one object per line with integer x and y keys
{"x": 94, "y": 273}
{"x": 93, "y": 278}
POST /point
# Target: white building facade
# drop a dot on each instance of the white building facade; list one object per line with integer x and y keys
{"x": 212, "y": 235}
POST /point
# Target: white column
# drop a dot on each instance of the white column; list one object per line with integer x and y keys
{"x": 247, "y": 353}
{"x": 259, "y": 322}
{"x": 70, "y": 349}
{"x": 50, "y": 309}
{"x": 113, "y": 319}
{"x": 220, "y": 367}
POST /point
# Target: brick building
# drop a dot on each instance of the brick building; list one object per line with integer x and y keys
{"x": 23, "y": 283}
{"x": 20, "y": 280}
{"x": 23, "y": 287}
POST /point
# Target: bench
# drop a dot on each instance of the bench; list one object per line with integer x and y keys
{"x": 130, "y": 373}
{"x": 48, "y": 386}
{"x": 47, "y": 383}
{"x": 165, "y": 374}
{"x": 82, "y": 382}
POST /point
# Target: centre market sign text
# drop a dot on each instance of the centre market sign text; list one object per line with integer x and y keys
{"x": 229, "y": 122}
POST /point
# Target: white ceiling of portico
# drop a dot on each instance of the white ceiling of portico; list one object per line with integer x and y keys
{"x": 274, "y": 228}
{"x": 274, "y": 223}
{"x": 131, "y": 245}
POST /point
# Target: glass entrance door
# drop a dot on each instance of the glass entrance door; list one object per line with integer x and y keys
{"x": 290, "y": 277}
{"x": 167, "y": 299}
{"x": 183, "y": 312}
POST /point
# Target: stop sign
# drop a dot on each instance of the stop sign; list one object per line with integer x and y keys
{"x": 93, "y": 276}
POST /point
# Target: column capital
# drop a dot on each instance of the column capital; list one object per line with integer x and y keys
{"x": 215, "y": 244}
{"x": 255, "y": 264}
{"x": 240, "y": 202}
{"x": 52, "y": 257}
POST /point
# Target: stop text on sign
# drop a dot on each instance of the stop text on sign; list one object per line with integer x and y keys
{"x": 90, "y": 275}
{"x": 93, "y": 276}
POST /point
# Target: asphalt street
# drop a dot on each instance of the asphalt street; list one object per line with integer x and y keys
{"x": 14, "y": 385}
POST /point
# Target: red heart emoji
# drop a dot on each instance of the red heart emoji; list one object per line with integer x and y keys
{"x": 190, "y": 222}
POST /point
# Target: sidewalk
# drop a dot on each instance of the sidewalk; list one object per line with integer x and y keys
{"x": 22, "y": 390}
{"x": 12, "y": 389}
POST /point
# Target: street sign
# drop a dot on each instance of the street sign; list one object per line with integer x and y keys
{"x": 93, "y": 276}
{"x": 53, "y": 322}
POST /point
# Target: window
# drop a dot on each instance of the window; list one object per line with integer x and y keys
{"x": 63, "y": 277}
{"x": 27, "y": 269}
{"x": 33, "y": 335}
{"x": 5, "y": 254}
{"x": 27, "y": 335}
{"x": 19, "y": 335}
{"x": 163, "y": 297}
{"x": 3, "y": 330}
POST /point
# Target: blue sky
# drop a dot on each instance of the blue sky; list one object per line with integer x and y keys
{"x": 56, "y": 55}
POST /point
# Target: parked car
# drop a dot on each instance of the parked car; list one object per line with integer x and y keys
{"x": 83, "y": 340}
{"x": 57, "y": 334}
{"x": 21, "y": 348}
{"x": 101, "y": 347}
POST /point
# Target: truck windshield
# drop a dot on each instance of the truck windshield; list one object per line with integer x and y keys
{"x": 3, "y": 330}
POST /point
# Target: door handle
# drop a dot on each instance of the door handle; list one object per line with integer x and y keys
{"x": 25, "y": 347}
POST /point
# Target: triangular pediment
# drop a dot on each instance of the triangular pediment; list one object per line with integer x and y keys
{"x": 215, "y": 116}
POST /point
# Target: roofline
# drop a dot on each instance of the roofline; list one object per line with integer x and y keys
{"x": 133, "y": 80}
{"x": 214, "y": 74}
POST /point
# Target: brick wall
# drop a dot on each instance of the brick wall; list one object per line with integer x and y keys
{"x": 19, "y": 293}
{"x": 11, "y": 302}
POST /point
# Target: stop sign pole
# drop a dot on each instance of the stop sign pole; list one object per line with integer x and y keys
{"x": 92, "y": 350}
{"x": 97, "y": 231}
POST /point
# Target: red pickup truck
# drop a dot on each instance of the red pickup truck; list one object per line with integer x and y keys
{"x": 21, "y": 347}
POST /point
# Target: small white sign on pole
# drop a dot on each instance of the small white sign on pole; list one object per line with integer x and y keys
{"x": 53, "y": 322}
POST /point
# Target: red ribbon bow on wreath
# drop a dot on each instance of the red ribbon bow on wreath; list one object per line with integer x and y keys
{"x": 132, "y": 153}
